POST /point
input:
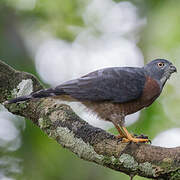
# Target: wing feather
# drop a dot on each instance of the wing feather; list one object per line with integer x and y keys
{"x": 111, "y": 84}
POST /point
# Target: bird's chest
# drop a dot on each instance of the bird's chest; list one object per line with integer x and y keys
{"x": 150, "y": 92}
{"x": 109, "y": 110}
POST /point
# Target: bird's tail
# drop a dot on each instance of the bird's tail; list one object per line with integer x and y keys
{"x": 38, "y": 94}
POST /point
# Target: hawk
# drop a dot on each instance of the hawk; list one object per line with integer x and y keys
{"x": 112, "y": 93}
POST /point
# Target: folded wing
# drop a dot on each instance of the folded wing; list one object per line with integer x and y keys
{"x": 117, "y": 84}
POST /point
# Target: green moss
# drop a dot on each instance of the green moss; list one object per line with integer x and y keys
{"x": 166, "y": 164}
{"x": 8, "y": 94}
{"x": 22, "y": 105}
{"x": 175, "y": 175}
{"x": 17, "y": 107}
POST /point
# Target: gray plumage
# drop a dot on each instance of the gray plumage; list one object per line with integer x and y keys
{"x": 115, "y": 84}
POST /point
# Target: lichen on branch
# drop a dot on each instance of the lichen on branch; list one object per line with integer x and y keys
{"x": 88, "y": 142}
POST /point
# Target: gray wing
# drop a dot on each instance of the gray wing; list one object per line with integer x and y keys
{"x": 111, "y": 84}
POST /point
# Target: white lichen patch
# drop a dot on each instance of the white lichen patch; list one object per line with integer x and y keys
{"x": 57, "y": 115}
{"x": 77, "y": 145}
{"x": 43, "y": 123}
{"x": 25, "y": 87}
{"x": 147, "y": 168}
{"x": 128, "y": 162}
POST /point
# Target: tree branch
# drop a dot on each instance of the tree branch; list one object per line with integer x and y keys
{"x": 88, "y": 142}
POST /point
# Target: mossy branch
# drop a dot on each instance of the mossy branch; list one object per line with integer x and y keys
{"x": 88, "y": 142}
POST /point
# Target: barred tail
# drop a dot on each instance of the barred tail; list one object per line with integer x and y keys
{"x": 38, "y": 94}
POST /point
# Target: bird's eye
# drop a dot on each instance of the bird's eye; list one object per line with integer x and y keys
{"x": 161, "y": 64}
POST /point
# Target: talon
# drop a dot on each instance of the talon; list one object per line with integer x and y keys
{"x": 119, "y": 136}
{"x": 135, "y": 140}
{"x": 125, "y": 140}
{"x": 130, "y": 138}
{"x": 125, "y": 137}
{"x": 139, "y": 140}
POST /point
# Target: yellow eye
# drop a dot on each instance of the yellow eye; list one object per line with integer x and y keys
{"x": 161, "y": 64}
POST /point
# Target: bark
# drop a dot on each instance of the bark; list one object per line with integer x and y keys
{"x": 87, "y": 142}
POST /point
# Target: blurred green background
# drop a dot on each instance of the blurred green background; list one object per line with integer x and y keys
{"x": 42, "y": 158}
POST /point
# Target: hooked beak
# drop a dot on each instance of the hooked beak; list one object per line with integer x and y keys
{"x": 173, "y": 69}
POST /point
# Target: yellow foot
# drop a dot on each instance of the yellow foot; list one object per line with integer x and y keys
{"x": 119, "y": 136}
{"x": 135, "y": 140}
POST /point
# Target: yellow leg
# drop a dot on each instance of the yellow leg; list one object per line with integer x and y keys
{"x": 129, "y": 137}
{"x": 121, "y": 133}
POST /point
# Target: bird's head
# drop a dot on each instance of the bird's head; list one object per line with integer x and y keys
{"x": 160, "y": 70}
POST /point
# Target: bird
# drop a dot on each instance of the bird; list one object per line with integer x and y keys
{"x": 113, "y": 93}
